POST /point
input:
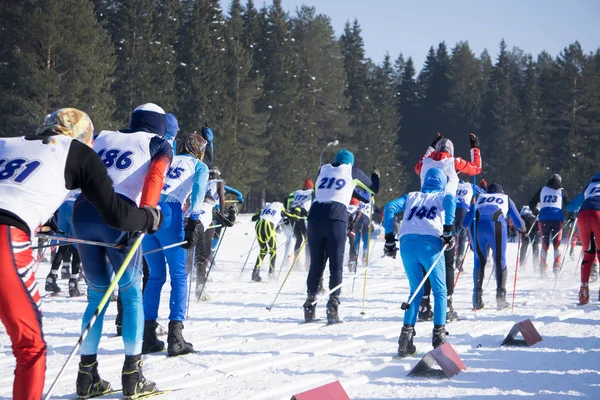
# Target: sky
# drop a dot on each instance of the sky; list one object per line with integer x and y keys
{"x": 412, "y": 26}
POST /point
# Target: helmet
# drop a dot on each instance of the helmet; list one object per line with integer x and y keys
{"x": 555, "y": 181}
{"x": 172, "y": 127}
{"x": 308, "y": 184}
{"x": 70, "y": 122}
{"x": 192, "y": 144}
{"x": 214, "y": 173}
{"x": 445, "y": 145}
{"x": 495, "y": 188}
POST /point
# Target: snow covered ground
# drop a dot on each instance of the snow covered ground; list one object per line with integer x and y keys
{"x": 247, "y": 352}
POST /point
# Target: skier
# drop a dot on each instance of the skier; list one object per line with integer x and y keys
{"x": 428, "y": 217}
{"x": 491, "y": 212}
{"x": 353, "y": 215}
{"x": 187, "y": 177}
{"x": 530, "y": 237}
{"x": 136, "y": 160}
{"x": 328, "y": 224}
{"x": 551, "y": 198}
{"x": 299, "y": 207}
{"x": 30, "y": 195}
{"x": 209, "y": 136}
{"x": 587, "y": 203}
{"x": 441, "y": 154}
{"x": 267, "y": 221}
{"x": 361, "y": 230}
{"x": 172, "y": 131}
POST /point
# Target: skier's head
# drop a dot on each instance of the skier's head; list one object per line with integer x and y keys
{"x": 214, "y": 173}
{"x": 149, "y": 118}
{"x": 172, "y": 127}
{"x": 495, "y": 188}
{"x": 192, "y": 144}
{"x": 308, "y": 184}
{"x": 446, "y": 146}
{"x": 555, "y": 181}
{"x": 70, "y": 122}
{"x": 344, "y": 157}
{"x": 435, "y": 180}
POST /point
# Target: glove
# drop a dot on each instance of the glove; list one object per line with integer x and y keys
{"x": 448, "y": 236}
{"x": 155, "y": 218}
{"x": 191, "y": 234}
{"x": 390, "y": 249}
{"x": 285, "y": 220}
{"x": 474, "y": 140}
{"x": 375, "y": 171}
{"x": 571, "y": 218}
{"x": 437, "y": 138}
{"x": 222, "y": 219}
{"x": 232, "y": 212}
{"x": 483, "y": 183}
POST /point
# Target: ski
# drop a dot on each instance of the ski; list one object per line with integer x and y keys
{"x": 144, "y": 396}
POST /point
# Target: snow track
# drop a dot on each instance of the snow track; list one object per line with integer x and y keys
{"x": 247, "y": 352}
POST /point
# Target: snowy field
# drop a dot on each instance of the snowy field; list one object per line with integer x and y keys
{"x": 246, "y": 352}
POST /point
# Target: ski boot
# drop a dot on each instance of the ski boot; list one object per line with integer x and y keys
{"x": 451, "y": 315}
{"x": 425, "y": 313}
{"x": 74, "y": 287}
{"x": 584, "y": 294}
{"x": 256, "y": 275}
{"x": 51, "y": 285}
{"x": 594, "y": 272}
{"x": 89, "y": 384}
{"x": 405, "y": 341}
{"x": 177, "y": 345}
{"x": 438, "y": 337}
{"x": 65, "y": 272}
{"x": 150, "y": 343}
{"x": 133, "y": 381}
{"x": 352, "y": 267}
{"x": 309, "y": 308}
{"x": 332, "y": 310}
{"x": 501, "y": 302}
{"x": 478, "y": 299}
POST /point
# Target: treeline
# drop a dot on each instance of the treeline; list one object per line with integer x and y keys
{"x": 276, "y": 87}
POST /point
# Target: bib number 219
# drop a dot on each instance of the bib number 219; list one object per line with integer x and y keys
{"x": 327, "y": 183}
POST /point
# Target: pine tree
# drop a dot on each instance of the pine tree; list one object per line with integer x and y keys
{"x": 435, "y": 85}
{"x": 408, "y": 104}
{"x": 43, "y": 68}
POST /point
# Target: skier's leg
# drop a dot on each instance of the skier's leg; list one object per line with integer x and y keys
{"x": 318, "y": 241}
{"x": 336, "y": 247}
{"x": 427, "y": 255}
{"x": 546, "y": 233}
{"x": 414, "y": 272}
{"x": 499, "y": 255}
{"x": 157, "y": 276}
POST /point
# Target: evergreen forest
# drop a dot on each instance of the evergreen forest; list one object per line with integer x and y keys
{"x": 276, "y": 87}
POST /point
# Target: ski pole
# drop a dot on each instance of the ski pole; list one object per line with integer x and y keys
{"x": 103, "y": 302}
{"x": 170, "y": 246}
{"x": 212, "y": 262}
{"x": 78, "y": 241}
{"x": 247, "y": 258}
{"x": 406, "y": 306}
{"x": 578, "y": 261}
{"x": 572, "y": 231}
{"x": 288, "y": 274}
{"x": 460, "y": 268}
{"x": 287, "y": 248}
{"x": 516, "y": 272}
{"x": 343, "y": 282}
{"x": 191, "y": 278}
{"x": 362, "y": 312}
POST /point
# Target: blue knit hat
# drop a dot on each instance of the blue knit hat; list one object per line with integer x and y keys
{"x": 172, "y": 127}
{"x": 344, "y": 157}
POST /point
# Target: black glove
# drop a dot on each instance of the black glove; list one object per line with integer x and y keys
{"x": 390, "y": 249}
{"x": 474, "y": 140}
{"x": 232, "y": 212}
{"x": 375, "y": 171}
{"x": 285, "y": 220}
{"x": 191, "y": 234}
{"x": 571, "y": 218}
{"x": 448, "y": 236}
{"x": 437, "y": 138}
{"x": 222, "y": 219}
{"x": 155, "y": 218}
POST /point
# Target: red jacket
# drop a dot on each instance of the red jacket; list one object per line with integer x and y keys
{"x": 471, "y": 168}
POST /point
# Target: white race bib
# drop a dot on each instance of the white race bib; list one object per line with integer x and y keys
{"x": 424, "y": 214}
{"x": 496, "y": 200}
{"x": 272, "y": 212}
{"x": 180, "y": 178}
{"x": 335, "y": 184}
{"x": 551, "y": 198}
{"x": 593, "y": 190}
{"x": 446, "y": 165}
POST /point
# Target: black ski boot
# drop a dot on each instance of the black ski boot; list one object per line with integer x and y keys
{"x": 74, "y": 287}
{"x": 89, "y": 384}
{"x": 256, "y": 274}
{"x": 478, "y": 299}
{"x": 425, "y": 313}
{"x": 405, "y": 341}
{"x": 150, "y": 343}
{"x": 332, "y": 310}
{"x": 451, "y": 315}
{"x": 132, "y": 379}
{"x": 439, "y": 336}
{"x": 51, "y": 285}
{"x": 309, "y": 308}
{"x": 177, "y": 345}
{"x": 501, "y": 302}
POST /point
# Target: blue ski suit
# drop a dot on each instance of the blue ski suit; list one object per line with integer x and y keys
{"x": 425, "y": 214}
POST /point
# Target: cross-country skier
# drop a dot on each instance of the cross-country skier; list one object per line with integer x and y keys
{"x": 299, "y": 207}
{"x": 187, "y": 177}
{"x": 551, "y": 199}
{"x": 491, "y": 212}
{"x": 427, "y": 225}
{"x": 531, "y": 236}
{"x": 136, "y": 160}
{"x": 36, "y": 175}
{"x": 441, "y": 154}
{"x": 361, "y": 230}
{"x": 267, "y": 221}
{"x": 353, "y": 215}
{"x": 328, "y": 224}
{"x": 587, "y": 204}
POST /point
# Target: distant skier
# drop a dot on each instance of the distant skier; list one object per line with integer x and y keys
{"x": 299, "y": 207}
{"x": 491, "y": 212}
{"x": 361, "y": 230}
{"x": 551, "y": 199}
{"x": 328, "y": 224}
{"x": 267, "y": 221}
{"x": 587, "y": 203}
{"x": 427, "y": 225}
{"x": 531, "y": 236}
